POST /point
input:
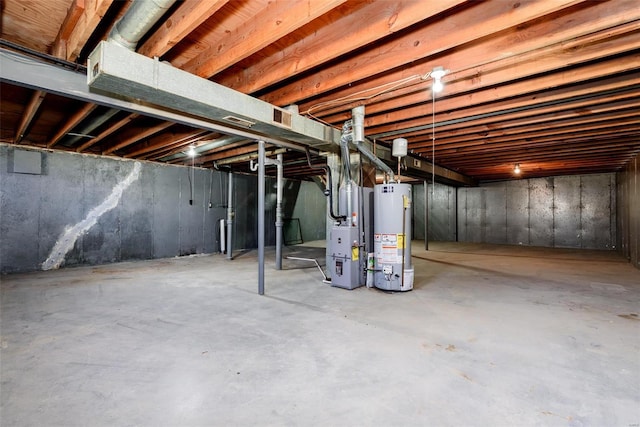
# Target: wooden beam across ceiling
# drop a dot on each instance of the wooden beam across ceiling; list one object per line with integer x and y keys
{"x": 29, "y": 113}
{"x": 275, "y": 21}
{"x": 183, "y": 21}
{"x": 179, "y": 147}
{"x": 105, "y": 133}
{"x": 586, "y": 115}
{"x": 137, "y": 137}
{"x": 475, "y": 22}
{"x": 168, "y": 142}
{"x": 71, "y": 122}
{"x": 93, "y": 12}
{"x": 542, "y": 39}
{"x": 59, "y": 48}
{"x": 524, "y": 136}
{"x": 339, "y": 35}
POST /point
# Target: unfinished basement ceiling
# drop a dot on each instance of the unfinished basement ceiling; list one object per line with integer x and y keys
{"x": 553, "y": 86}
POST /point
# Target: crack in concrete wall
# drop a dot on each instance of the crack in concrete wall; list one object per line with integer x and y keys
{"x": 68, "y": 239}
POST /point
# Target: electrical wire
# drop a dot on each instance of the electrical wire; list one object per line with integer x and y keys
{"x": 359, "y": 96}
{"x": 433, "y": 142}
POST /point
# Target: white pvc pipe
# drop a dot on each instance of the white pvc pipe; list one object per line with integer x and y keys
{"x": 223, "y": 239}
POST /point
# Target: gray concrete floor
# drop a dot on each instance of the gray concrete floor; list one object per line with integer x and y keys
{"x": 491, "y": 335}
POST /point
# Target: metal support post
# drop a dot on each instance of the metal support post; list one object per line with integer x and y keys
{"x": 279, "y": 222}
{"x": 426, "y": 215}
{"x": 230, "y": 215}
{"x": 261, "y": 188}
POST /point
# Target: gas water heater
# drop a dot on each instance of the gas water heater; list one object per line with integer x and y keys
{"x": 393, "y": 270}
{"x": 371, "y": 248}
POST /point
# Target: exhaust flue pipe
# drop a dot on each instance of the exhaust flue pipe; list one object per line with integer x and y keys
{"x": 357, "y": 115}
{"x": 346, "y": 163}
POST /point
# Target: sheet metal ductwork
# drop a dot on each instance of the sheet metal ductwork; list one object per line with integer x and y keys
{"x": 125, "y": 73}
{"x": 141, "y": 16}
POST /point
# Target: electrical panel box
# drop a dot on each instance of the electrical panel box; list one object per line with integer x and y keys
{"x": 28, "y": 162}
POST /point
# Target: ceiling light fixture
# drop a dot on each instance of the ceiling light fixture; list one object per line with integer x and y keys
{"x": 516, "y": 169}
{"x": 437, "y": 74}
{"x": 192, "y": 151}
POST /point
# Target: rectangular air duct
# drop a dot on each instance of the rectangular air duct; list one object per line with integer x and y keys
{"x": 128, "y": 74}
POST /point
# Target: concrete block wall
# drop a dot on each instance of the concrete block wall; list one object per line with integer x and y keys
{"x": 628, "y": 193}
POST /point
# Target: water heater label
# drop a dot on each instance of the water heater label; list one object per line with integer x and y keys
{"x": 386, "y": 248}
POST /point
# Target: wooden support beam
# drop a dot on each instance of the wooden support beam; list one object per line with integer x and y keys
{"x": 491, "y": 152}
{"x": 111, "y": 129}
{"x": 138, "y": 137}
{"x": 533, "y": 37}
{"x": 93, "y": 12}
{"x": 527, "y": 133}
{"x": 275, "y": 21}
{"x": 492, "y": 86}
{"x": 479, "y": 20}
{"x": 75, "y": 11}
{"x": 619, "y": 65}
{"x": 185, "y": 19}
{"x": 545, "y": 155}
{"x": 71, "y": 122}
{"x": 219, "y": 153}
{"x": 234, "y": 152}
{"x": 168, "y": 142}
{"x": 341, "y": 33}
{"x": 523, "y": 138}
{"x": 29, "y": 113}
{"x": 511, "y": 113}
{"x": 596, "y": 113}
{"x": 516, "y": 94}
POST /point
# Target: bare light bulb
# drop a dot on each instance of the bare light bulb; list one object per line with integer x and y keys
{"x": 516, "y": 169}
{"x": 437, "y": 74}
{"x": 437, "y": 86}
{"x": 192, "y": 151}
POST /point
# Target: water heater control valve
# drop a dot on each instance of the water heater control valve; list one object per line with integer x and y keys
{"x": 387, "y": 269}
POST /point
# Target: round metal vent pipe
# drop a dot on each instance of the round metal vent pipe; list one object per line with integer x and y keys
{"x": 141, "y": 16}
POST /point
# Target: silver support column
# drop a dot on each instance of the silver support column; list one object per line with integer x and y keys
{"x": 230, "y": 215}
{"x": 279, "y": 185}
{"x": 261, "y": 188}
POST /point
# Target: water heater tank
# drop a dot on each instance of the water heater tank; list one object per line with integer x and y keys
{"x": 393, "y": 270}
